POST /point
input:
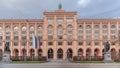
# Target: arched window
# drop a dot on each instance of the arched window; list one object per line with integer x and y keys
{"x": 50, "y": 32}
{"x": 40, "y": 32}
{"x": 80, "y": 29}
{"x": 7, "y": 29}
{"x": 60, "y": 32}
{"x": 88, "y": 27}
{"x": 24, "y": 30}
{"x": 112, "y": 26}
{"x": 16, "y": 30}
{"x": 31, "y": 30}
{"x": 96, "y": 26}
{"x": 69, "y": 32}
{"x": 104, "y": 26}
{"x": 69, "y": 29}
{"x": 0, "y": 30}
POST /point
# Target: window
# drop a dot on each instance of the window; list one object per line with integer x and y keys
{"x": 104, "y": 26}
{"x": 30, "y": 37}
{"x": 88, "y": 43}
{"x": 0, "y": 37}
{"x": 59, "y": 43}
{"x": 112, "y": 26}
{"x": 30, "y": 43}
{"x": 24, "y": 30}
{"x": 96, "y": 26}
{"x": 50, "y": 30}
{"x": 69, "y": 29}
{"x": 60, "y": 37}
{"x": 7, "y": 37}
{"x": 15, "y": 43}
{"x": 96, "y": 37}
{"x": 105, "y": 37}
{"x": 112, "y": 43}
{"x": 69, "y": 37}
{"x": 15, "y": 37}
{"x": 50, "y": 20}
{"x": 60, "y": 20}
{"x": 80, "y": 31}
{"x": 112, "y": 31}
{"x": 80, "y": 43}
{"x": 80, "y": 37}
{"x": 16, "y": 30}
{"x": 39, "y": 30}
{"x": 7, "y": 29}
{"x": 0, "y": 30}
{"x": 50, "y": 37}
{"x": 24, "y": 38}
{"x": 70, "y": 20}
{"x": 88, "y": 37}
{"x": 96, "y": 31}
{"x": 88, "y": 27}
{"x": 104, "y": 31}
{"x": 31, "y": 30}
{"x": 0, "y": 43}
{"x": 80, "y": 27}
{"x": 96, "y": 43}
{"x": 24, "y": 43}
{"x": 60, "y": 30}
{"x": 112, "y": 37}
{"x": 69, "y": 43}
{"x": 50, "y": 43}
{"x": 88, "y": 31}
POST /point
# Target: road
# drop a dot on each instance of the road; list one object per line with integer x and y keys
{"x": 61, "y": 65}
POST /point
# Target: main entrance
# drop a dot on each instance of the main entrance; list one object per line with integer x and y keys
{"x": 60, "y": 54}
{"x": 50, "y": 54}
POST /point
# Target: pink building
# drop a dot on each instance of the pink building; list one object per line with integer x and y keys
{"x": 62, "y": 35}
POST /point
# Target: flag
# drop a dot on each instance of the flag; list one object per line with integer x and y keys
{"x": 34, "y": 41}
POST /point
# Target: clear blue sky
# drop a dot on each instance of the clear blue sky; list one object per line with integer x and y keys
{"x": 31, "y": 9}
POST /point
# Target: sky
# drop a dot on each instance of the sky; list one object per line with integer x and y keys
{"x": 33, "y": 9}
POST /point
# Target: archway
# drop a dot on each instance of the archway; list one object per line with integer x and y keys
{"x": 80, "y": 53}
{"x": 50, "y": 54}
{"x": 1, "y": 54}
{"x": 16, "y": 53}
{"x": 40, "y": 53}
{"x": 32, "y": 54}
{"x": 96, "y": 53}
{"x": 88, "y": 53}
{"x": 60, "y": 54}
{"x": 113, "y": 53}
{"x": 24, "y": 54}
{"x": 69, "y": 53}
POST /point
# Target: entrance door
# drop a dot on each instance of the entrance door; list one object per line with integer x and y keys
{"x": 60, "y": 54}
{"x": 50, "y": 54}
{"x": 69, "y": 53}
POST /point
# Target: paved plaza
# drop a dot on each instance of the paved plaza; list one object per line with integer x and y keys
{"x": 61, "y": 65}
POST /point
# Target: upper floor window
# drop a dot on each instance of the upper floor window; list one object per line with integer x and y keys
{"x": 7, "y": 37}
{"x": 50, "y": 20}
{"x": 31, "y": 30}
{"x": 0, "y": 30}
{"x": 112, "y": 26}
{"x": 104, "y": 26}
{"x": 60, "y": 30}
{"x": 16, "y": 37}
{"x": 70, "y": 20}
{"x": 50, "y": 30}
{"x": 88, "y": 27}
{"x": 69, "y": 29}
{"x": 16, "y": 30}
{"x": 39, "y": 30}
{"x": 60, "y": 20}
{"x": 96, "y": 26}
{"x": 24, "y": 30}
{"x": 7, "y": 29}
{"x": 1, "y": 38}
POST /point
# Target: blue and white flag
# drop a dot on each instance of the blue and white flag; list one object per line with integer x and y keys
{"x": 34, "y": 41}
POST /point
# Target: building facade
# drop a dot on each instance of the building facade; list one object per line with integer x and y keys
{"x": 61, "y": 35}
